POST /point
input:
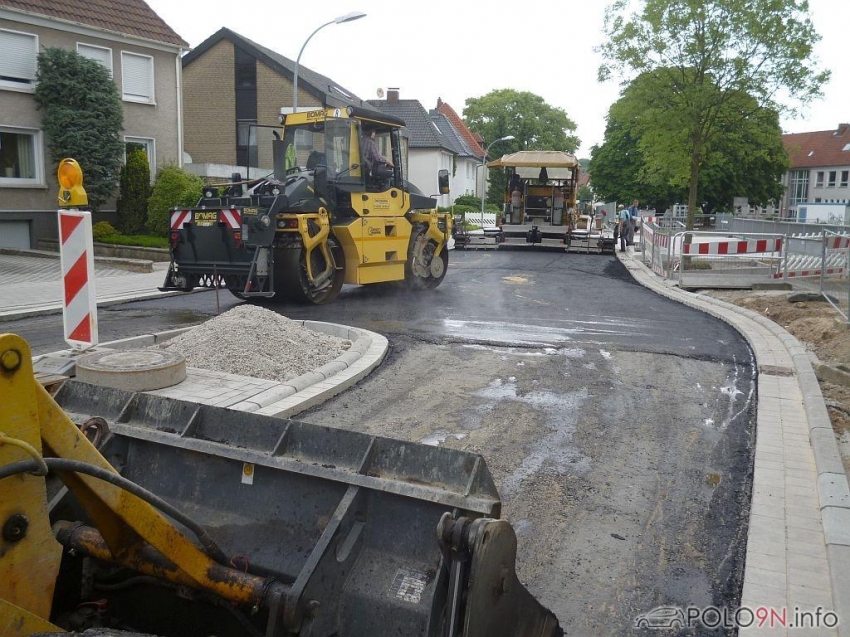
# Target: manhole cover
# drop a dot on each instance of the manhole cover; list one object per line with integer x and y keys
{"x": 134, "y": 370}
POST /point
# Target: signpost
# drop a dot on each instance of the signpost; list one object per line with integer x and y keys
{"x": 76, "y": 251}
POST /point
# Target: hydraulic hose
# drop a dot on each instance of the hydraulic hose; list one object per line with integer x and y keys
{"x": 62, "y": 464}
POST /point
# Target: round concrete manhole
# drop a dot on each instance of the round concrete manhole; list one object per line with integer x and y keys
{"x": 135, "y": 370}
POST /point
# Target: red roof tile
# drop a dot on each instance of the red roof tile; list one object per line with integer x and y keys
{"x": 472, "y": 139}
{"x": 130, "y": 17}
{"x": 820, "y": 148}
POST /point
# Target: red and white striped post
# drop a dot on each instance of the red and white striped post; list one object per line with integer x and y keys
{"x": 76, "y": 250}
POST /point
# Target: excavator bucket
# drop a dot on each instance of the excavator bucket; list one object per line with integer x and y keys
{"x": 331, "y": 532}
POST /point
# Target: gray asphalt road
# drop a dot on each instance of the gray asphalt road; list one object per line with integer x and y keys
{"x": 617, "y": 424}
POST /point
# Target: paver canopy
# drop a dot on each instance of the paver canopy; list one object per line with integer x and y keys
{"x": 535, "y": 159}
{"x": 558, "y": 164}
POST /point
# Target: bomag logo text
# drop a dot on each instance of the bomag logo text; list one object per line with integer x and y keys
{"x": 206, "y": 216}
{"x": 374, "y": 231}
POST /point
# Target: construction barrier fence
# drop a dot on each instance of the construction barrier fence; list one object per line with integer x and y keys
{"x": 820, "y": 263}
{"x": 817, "y": 262}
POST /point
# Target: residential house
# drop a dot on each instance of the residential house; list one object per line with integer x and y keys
{"x": 429, "y": 151}
{"x": 143, "y": 54}
{"x": 466, "y": 165}
{"x": 820, "y": 168}
{"x": 234, "y": 92}
{"x": 473, "y": 141}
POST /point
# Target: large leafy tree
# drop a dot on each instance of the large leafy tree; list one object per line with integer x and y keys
{"x": 634, "y": 162}
{"x": 534, "y": 124}
{"x": 705, "y": 54}
{"x": 83, "y": 118}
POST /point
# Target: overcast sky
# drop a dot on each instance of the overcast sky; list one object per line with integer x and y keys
{"x": 466, "y": 48}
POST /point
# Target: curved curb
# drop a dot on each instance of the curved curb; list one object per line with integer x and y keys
{"x": 289, "y": 398}
{"x": 832, "y": 484}
{"x": 367, "y": 351}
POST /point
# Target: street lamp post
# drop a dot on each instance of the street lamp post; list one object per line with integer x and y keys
{"x": 348, "y": 17}
{"x": 484, "y": 175}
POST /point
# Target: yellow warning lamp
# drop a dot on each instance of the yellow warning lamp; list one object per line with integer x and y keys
{"x": 71, "y": 191}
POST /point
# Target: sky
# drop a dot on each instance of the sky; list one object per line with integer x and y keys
{"x": 467, "y": 48}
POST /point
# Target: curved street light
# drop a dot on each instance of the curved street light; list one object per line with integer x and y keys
{"x": 483, "y": 174}
{"x": 348, "y": 17}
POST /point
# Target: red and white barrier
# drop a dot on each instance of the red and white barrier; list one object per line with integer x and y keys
{"x": 802, "y": 273}
{"x": 179, "y": 217}
{"x": 734, "y": 247}
{"x": 232, "y": 218}
{"x": 76, "y": 251}
{"x": 838, "y": 242}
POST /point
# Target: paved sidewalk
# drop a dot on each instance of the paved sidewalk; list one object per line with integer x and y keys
{"x": 31, "y": 285}
{"x": 798, "y": 546}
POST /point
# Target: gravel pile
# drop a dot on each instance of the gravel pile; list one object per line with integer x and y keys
{"x": 251, "y": 341}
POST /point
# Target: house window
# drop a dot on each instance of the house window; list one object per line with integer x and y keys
{"x": 147, "y": 144}
{"x": 831, "y": 182}
{"x": 845, "y": 178}
{"x": 137, "y": 78}
{"x": 20, "y": 157}
{"x": 246, "y": 143}
{"x": 799, "y": 187}
{"x": 819, "y": 180}
{"x": 18, "y": 60}
{"x": 99, "y": 54}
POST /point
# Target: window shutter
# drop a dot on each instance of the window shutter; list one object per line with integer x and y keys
{"x": 96, "y": 53}
{"x": 18, "y": 57}
{"x": 137, "y": 77}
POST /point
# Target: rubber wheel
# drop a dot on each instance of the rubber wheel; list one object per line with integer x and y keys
{"x": 413, "y": 270}
{"x": 290, "y": 273}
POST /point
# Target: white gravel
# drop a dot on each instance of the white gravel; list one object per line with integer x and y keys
{"x": 252, "y": 341}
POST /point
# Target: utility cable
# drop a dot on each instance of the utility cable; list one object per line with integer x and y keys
{"x": 63, "y": 464}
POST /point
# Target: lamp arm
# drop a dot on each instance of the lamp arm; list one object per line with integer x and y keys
{"x": 298, "y": 63}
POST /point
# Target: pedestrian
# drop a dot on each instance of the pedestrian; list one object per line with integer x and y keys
{"x": 623, "y": 226}
{"x": 633, "y": 216}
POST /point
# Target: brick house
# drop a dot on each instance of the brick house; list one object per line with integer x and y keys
{"x": 820, "y": 168}
{"x": 234, "y": 90}
{"x": 143, "y": 55}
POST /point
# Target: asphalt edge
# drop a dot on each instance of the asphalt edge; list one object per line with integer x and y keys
{"x": 832, "y": 484}
{"x": 368, "y": 350}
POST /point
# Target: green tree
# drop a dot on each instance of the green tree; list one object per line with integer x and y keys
{"x": 173, "y": 188}
{"x": 585, "y": 193}
{"x": 748, "y": 160}
{"x": 83, "y": 118}
{"x": 134, "y": 189}
{"x": 534, "y": 124}
{"x": 704, "y": 54}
